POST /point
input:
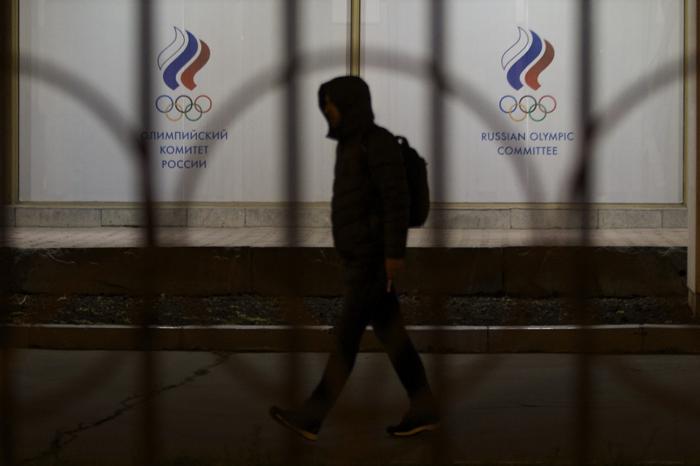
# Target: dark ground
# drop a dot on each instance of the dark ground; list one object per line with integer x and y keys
{"x": 257, "y": 310}
{"x": 86, "y": 408}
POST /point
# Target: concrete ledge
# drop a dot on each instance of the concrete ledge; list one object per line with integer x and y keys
{"x": 273, "y": 338}
{"x": 566, "y": 339}
{"x": 491, "y": 219}
{"x": 675, "y": 218}
{"x": 277, "y": 217}
{"x": 610, "y": 339}
{"x": 215, "y": 217}
{"x": 670, "y": 339}
{"x": 15, "y": 336}
{"x": 552, "y": 219}
{"x": 619, "y": 218}
{"x": 453, "y": 339}
{"x": 57, "y": 217}
{"x": 164, "y": 217}
{"x": 107, "y": 337}
{"x": 468, "y": 218}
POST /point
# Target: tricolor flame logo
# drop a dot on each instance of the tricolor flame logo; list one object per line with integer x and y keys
{"x": 519, "y": 58}
{"x": 183, "y": 59}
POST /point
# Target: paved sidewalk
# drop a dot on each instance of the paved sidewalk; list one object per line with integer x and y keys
{"x": 501, "y": 408}
{"x": 29, "y": 238}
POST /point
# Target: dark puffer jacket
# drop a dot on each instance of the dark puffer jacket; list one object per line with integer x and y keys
{"x": 369, "y": 210}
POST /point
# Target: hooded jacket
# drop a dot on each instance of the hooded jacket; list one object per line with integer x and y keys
{"x": 369, "y": 209}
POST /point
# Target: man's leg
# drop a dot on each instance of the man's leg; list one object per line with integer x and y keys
{"x": 389, "y": 327}
{"x": 348, "y": 333}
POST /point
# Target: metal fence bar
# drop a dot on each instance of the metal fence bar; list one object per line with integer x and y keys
{"x": 290, "y": 42}
{"x": 694, "y": 230}
{"x": 149, "y": 361}
{"x": 583, "y": 429}
{"x": 290, "y": 130}
{"x": 7, "y": 400}
{"x": 7, "y": 390}
{"x": 441, "y": 442}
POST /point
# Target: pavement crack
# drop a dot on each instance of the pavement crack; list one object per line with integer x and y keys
{"x": 62, "y": 438}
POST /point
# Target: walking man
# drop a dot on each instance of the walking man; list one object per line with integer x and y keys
{"x": 369, "y": 213}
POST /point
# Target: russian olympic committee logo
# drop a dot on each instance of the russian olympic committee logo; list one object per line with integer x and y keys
{"x": 180, "y": 62}
{"x": 523, "y": 63}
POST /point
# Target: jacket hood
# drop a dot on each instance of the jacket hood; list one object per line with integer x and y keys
{"x": 352, "y": 97}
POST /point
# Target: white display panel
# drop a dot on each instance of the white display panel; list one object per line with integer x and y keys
{"x": 638, "y": 161}
{"x": 68, "y": 155}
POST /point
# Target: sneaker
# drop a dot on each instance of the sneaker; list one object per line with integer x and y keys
{"x": 415, "y": 422}
{"x": 296, "y": 422}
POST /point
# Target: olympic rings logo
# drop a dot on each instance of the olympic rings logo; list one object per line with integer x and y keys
{"x": 527, "y": 106}
{"x": 184, "y": 106}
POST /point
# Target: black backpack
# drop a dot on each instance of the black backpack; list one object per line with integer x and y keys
{"x": 417, "y": 179}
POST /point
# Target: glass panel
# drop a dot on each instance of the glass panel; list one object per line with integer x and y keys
{"x": 520, "y": 59}
{"x": 205, "y": 51}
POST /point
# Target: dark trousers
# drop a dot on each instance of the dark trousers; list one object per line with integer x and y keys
{"x": 367, "y": 301}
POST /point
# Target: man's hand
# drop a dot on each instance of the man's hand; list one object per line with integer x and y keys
{"x": 392, "y": 266}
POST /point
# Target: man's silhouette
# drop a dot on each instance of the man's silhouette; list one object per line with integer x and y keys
{"x": 369, "y": 214}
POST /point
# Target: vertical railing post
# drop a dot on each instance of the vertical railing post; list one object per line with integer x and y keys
{"x": 437, "y": 114}
{"x": 441, "y": 445}
{"x": 146, "y": 92}
{"x": 291, "y": 125}
{"x": 149, "y": 369}
{"x": 693, "y": 163}
{"x": 7, "y": 116}
{"x": 7, "y": 96}
{"x": 583, "y": 393}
